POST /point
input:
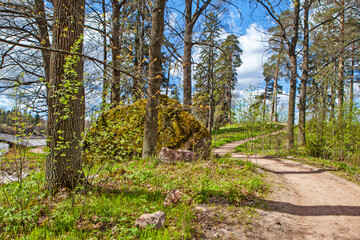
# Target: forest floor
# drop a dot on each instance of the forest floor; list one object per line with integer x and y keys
{"x": 305, "y": 202}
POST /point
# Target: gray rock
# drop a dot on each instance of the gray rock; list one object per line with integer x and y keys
{"x": 168, "y": 155}
{"x": 8, "y": 178}
{"x": 156, "y": 219}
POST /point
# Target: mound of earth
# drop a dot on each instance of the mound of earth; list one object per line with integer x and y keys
{"x": 118, "y": 133}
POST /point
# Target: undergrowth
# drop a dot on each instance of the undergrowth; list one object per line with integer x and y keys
{"x": 121, "y": 193}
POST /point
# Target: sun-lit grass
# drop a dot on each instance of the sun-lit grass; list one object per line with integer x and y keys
{"x": 121, "y": 193}
{"x": 240, "y": 132}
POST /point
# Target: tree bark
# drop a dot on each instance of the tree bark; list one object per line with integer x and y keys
{"x": 274, "y": 100}
{"x": 229, "y": 90}
{"x": 211, "y": 90}
{"x": 265, "y": 95}
{"x": 187, "y": 53}
{"x": 139, "y": 39}
{"x": 341, "y": 61}
{"x": 105, "y": 79}
{"x": 304, "y": 76}
{"x": 115, "y": 48}
{"x": 352, "y": 82}
{"x": 190, "y": 20}
{"x": 66, "y": 99}
{"x": 155, "y": 76}
{"x": 42, "y": 24}
{"x": 293, "y": 76}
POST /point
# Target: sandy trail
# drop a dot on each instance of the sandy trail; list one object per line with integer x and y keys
{"x": 307, "y": 202}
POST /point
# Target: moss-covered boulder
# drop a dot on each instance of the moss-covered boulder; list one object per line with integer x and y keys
{"x": 118, "y": 133}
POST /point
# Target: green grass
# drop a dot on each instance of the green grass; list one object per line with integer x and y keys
{"x": 240, "y": 132}
{"x": 123, "y": 192}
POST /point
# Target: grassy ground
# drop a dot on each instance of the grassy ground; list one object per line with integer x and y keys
{"x": 274, "y": 145}
{"x": 233, "y": 133}
{"x": 122, "y": 192}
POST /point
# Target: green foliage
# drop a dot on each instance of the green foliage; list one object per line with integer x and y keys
{"x": 118, "y": 133}
{"x": 337, "y": 139}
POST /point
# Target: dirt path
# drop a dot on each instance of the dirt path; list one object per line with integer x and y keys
{"x": 307, "y": 202}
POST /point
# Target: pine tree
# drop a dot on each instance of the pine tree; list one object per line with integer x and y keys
{"x": 226, "y": 70}
{"x": 205, "y": 80}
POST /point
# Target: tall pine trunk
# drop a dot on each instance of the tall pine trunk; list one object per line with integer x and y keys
{"x": 155, "y": 76}
{"x": 293, "y": 76}
{"x": 265, "y": 95}
{"x": 190, "y": 20}
{"x": 352, "y": 83}
{"x": 105, "y": 79}
{"x": 139, "y": 45}
{"x": 341, "y": 72}
{"x": 187, "y": 53}
{"x": 304, "y": 76}
{"x": 66, "y": 97}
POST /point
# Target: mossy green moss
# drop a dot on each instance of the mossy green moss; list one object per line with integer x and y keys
{"x": 118, "y": 133}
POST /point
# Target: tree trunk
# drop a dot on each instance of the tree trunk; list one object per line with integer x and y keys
{"x": 190, "y": 20}
{"x": 352, "y": 83}
{"x": 341, "y": 61}
{"x": 155, "y": 76}
{"x": 66, "y": 100}
{"x": 211, "y": 85}
{"x": 168, "y": 78}
{"x": 332, "y": 101}
{"x": 105, "y": 79}
{"x": 293, "y": 76}
{"x": 229, "y": 89}
{"x": 265, "y": 95}
{"x": 274, "y": 100}
{"x": 139, "y": 39}
{"x": 304, "y": 76}
{"x": 115, "y": 48}
{"x": 42, "y": 24}
{"x": 187, "y": 54}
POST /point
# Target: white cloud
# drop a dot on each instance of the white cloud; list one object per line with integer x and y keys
{"x": 253, "y": 43}
{"x": 5, "y": 102}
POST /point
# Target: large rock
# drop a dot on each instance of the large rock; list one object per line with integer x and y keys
{"x": 118, "y": 133}
{"x": 156, "y": 219}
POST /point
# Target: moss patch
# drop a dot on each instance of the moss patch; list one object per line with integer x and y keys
{"x": 118, "y": 133}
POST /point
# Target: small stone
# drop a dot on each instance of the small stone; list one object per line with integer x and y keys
{"x": 168, "y": 155}
{"x": 156, "y": 219}
{"x": 262, "y": 213}
{"x": 201, "y": 208}
{"x": 175, "y": 196}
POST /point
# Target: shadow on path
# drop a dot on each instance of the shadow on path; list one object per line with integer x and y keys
{"x": 300, "y": 172}
{"x": 319, "y": 210}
